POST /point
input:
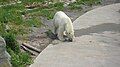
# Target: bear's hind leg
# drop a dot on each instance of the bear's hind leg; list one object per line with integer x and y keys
{"x": 60, "y": 33}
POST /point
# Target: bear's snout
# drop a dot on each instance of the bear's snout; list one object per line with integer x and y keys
{"x": 71, "y": 40}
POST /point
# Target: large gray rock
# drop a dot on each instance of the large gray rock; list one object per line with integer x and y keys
{"x": 4, "y": 56}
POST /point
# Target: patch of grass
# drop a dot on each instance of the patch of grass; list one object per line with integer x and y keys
{"x": 21, "y": 59}
{"x": 11, "y": 42}
{"x": 74, "y": 5}
{"x": 11, "y": 15}
{"x": 31, "y": 1}
{"x": 47, "y": 13}
{"x": 78, "y": 3}
{"x": 18, "y": 58}
{"x": 89, "y": 2}
{"x": 59, "y": 6}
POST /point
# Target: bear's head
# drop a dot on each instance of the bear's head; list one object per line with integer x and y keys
{"x": 70, "y": 36}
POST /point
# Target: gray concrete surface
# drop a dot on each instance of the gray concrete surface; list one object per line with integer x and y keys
{"x": 97, "y": 42}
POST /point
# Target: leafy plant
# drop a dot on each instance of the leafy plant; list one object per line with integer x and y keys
{"x": 11, "y": 42}
{"x": 21, "y": 59}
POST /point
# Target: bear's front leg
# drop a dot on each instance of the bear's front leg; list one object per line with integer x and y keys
{"x": 61, "y": 33}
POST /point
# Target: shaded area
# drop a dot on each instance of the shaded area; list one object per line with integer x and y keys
{"x": 98, "y": 28}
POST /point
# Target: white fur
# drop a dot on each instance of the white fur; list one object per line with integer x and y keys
{"x": 63, "y": 26}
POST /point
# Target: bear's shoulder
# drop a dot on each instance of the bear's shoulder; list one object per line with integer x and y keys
{"x": 61, "y": 14}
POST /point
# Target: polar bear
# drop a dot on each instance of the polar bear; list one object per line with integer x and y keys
{"x": 63, "y": 26}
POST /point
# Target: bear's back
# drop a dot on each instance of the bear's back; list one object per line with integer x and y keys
{"x": 61, "y": 15}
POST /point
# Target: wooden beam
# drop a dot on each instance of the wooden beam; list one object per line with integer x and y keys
{"x": 31, "y": 47}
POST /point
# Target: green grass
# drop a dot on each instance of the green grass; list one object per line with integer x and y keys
{"x": 21, "y": 59}
{"x": 89, "y": 2}
{"x": 47, "y": 12}
{"x": 59, "y": 6}
{"x": 74, "y": 5}
{"x": 18, "y": 58}
{"x": 78, "y": 3}
{"x": 11, "y": 42}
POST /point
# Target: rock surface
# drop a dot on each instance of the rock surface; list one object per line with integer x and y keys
{"x": 107, "y": 2}
{"x": 105, "y": 18}
{"x": 97, "y": 42}
{"x": 4, "y": 56}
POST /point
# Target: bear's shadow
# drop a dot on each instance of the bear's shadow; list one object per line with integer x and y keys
{"x": 54, "y": 36}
